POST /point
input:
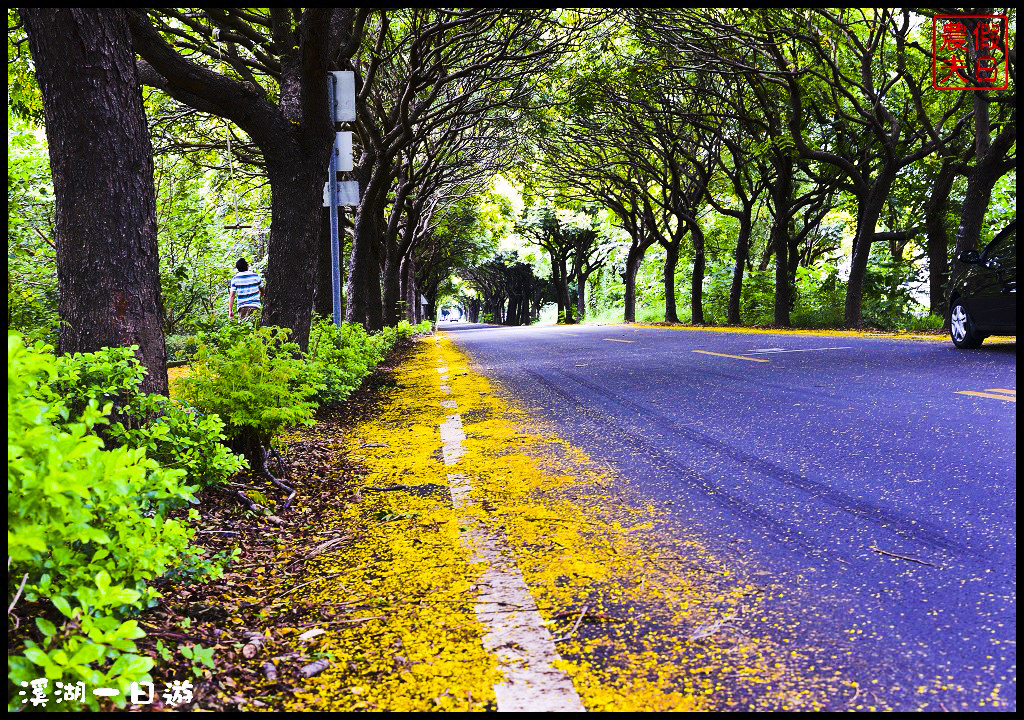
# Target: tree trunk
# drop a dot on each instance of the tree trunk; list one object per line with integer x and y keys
{"x": 562, "y": 291}
{"x": 102, "y": 164}
{"x": 364, "y": 305}
{"x": 294, "y": 243}
{"x": 391, "y": 285}
{"x": 697, "y": 279}
{"x": 409, "y": 290}
{"x": 742, "y": 255}
{"x": 323, "y": 295}
{"x": 869, "y": 210}
{"x": 363, "y": 289}
{"x": 782, "y": 194}
{"x": 992, "y": 161}
{"x": 980, "y": 181}
{"x": 581, "y": 295}
{"x": 633, "y": 260}
{"x": 671, "y": 260}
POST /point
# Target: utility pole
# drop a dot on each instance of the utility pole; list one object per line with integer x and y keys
{"x": 341, "y": 100}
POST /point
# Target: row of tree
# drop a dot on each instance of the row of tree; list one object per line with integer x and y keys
{"x": 665, "y": 118}
{"x": 786, "y": 114}
{"x": 440, "y": 94}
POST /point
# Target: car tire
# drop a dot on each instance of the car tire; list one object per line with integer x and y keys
{"x": 962, "y": 329}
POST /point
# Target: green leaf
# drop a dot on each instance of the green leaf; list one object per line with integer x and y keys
{"x": 87, "y": 654}
{"x": 46, "y": 627}
{"x": 62, "y": 604}
{"x": 37, "y": 656}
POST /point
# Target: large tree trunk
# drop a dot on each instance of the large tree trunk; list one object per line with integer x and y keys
{"x": 697, "y": 279}
{"x": 980, "y": 181}
{"x": 363, "y": 290}
{"x": 581, "y": 295}
{"x": 102, "y": 163}
{"x": 323, "y": 295}
{"x": 742, "y": 254}
{"x": 364, "y": 305}
{"x": 633, "y": 260}
{"x": 559, "y": 305}
{"x": 671, "y": 260}
{"x": 992, "y": 161}
{"x": 869, "y": 210}
{"x": 410, "y": 292}
{"x": 560, "y": 275}
{"x": 782, "y": 196}
{"x": 391, "y": 287}
{"x": 294, "y": 243}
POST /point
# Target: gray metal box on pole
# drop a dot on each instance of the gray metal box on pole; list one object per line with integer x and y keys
{"x": 343, "y": 151}
{"x": 346, "y": 194}
{"x": 344, "y": 103}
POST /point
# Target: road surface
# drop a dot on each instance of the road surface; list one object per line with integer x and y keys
{"x": 869, "y": 484}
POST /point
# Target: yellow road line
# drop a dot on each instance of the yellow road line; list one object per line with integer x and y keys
{"x": 1008, "y": 398}
{"x": 738, "y": 357}
{"x": 1001, "y": 390}
{"x": 614, "y": 340}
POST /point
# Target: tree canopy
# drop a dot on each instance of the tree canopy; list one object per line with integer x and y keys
{"x": 736, "y": 167}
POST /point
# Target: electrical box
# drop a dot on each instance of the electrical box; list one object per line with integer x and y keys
{"x": 344, "y": 109}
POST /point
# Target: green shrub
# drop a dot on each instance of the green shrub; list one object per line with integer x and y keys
{"x": 112, "y": 375}
{"x": 341, "y": 357}
{"x": 174, "y": 436}
{"x": 254, "y": 380}
{"x": 407, "y": 330}
{"x": 180, "y": 347}
{"x": 180, "y": 438}
{"x": 86, "y": 525}
{"x": 926, "y": 323}
{"x": 819, "y": 299}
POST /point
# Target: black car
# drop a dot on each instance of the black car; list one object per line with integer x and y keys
{"x": 983, "y": 294}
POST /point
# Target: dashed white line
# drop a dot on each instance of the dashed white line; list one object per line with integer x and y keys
{"x": 515, "y": 628}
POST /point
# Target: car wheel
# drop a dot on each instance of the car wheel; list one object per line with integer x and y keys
{"x": 961, "y": 328}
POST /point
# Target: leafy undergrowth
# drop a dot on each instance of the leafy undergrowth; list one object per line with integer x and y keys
{"x": 370, "y": 555}
{"x": 337, "y": 534}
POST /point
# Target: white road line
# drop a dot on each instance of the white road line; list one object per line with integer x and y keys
{"x": 515, "y": 628}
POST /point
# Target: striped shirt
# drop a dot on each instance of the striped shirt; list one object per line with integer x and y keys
{"x": 246, "y": 286}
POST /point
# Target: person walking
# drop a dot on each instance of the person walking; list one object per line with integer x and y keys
{"x": 247, "y": 288}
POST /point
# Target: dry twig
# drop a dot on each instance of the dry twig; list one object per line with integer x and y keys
{"x": 17, "y": 595}
{"x": 904, "y": 557}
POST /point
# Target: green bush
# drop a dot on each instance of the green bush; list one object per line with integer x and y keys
{"x": 341, "y": 357}
{"x": 254, "y": 380}
{"x": 926, "y": 323}
{"x": 174, "y": 436}
{"x": 180, "y": 347}
{"x": 819, "y": 299}
{"x": 86, "y": 528}
{"x": 112, "y": 375}
{"x": 180, "y": 438}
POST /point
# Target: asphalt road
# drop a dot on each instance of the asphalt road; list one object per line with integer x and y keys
{"x": 850, "y": 476}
